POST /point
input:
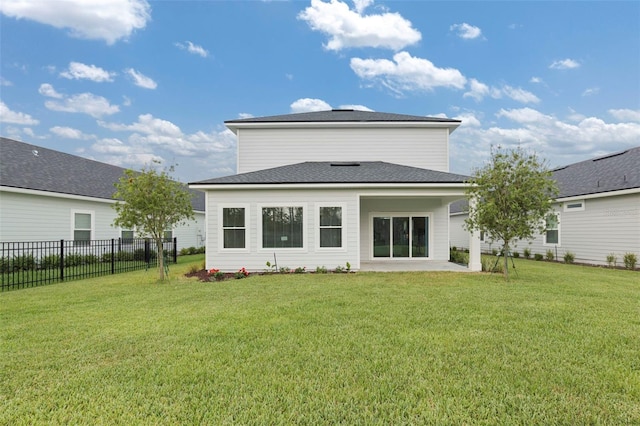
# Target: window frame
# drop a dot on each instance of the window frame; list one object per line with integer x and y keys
{"x": 547, "y": 229}
{"x": 127, "y": 241}
{"x": 221, "y": 227}
{"x": 92, "y": 215}
{"x": 319, "y": 227}
{"x": 285, "y": 204}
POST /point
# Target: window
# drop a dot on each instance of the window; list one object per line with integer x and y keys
{"x": 552, "y": 233}
{"x": 82, "y": 228}
{"x": 282, "y": 227}
{"x": 127, "y": 236}
{"x": 574, "y": 206}
{"x": 330, "y": 227}
{"x": 234, "y": 228}
{"x": 168, "y": 235}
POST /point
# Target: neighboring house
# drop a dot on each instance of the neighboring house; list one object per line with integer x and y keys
{"x": 334, "y": 187}
{"x": 47, "y": 195}
{"x": 597, "y": 212}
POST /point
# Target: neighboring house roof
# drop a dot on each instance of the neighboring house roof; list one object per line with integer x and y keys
{"x": 342, "y": 115}
{"x": 612, "y": 172}
{"x": 27, "y": 166}
{"x": 327, "y": 172}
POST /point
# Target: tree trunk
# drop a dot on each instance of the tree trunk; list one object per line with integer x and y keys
{"x": 505, "y": 253}
{"x": 159, "y": 244}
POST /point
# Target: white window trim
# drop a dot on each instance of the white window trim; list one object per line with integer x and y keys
{"x": 343, "y": 226}
{"x": 566, "y": 205}
{"x": 247, "y": 216}
{"x": 92, "y": 213}
{"x": 305, "y": 222}
{"x": 430, "y": 215}
{"x": 544, "y": 235}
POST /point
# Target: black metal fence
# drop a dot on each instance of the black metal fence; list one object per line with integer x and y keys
{"x": 35, "y": 263}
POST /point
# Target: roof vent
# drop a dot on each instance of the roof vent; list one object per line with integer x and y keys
{"x": 345, "y": 164}
{"x": 342, "y": 110}
{"x": 35, "y": 152}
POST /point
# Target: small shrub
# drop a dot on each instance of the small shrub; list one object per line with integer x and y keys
{"x": 73, "y": 259}
{"x": 339, "y": 269}
{"x": 184, "y": 251}
{"x": 630, "y": 260}
{"x": 612, "y": 260}
{"x": 300, "y": 270}
{"x": 106, "y": 258}
{"x": 348, "y": 265}
{"x": 494, "y": 252}
{"x": 219, "y": 276}
{"x": 138, "y": 254}
{"x": 242, "y": 273}
{"x": 126, "y": 256}
{"x": 270, "y": 267}
{"x": 516, "y": 254}
{"x": 490, "y": 265}
{"x": 459, "y": 257}
{"x": 51, "y": 261}
{"x": 321, "y": 270}
{"x": 454, "y": 248}
{"x": 569, "y": 257}
{"x": 192, "y": 250}
{"x": 90, "y": 259}
{"x": 5, "y": 265}
{"x": 538, "y": 256}
{"x": 526, "y": 253}
{"x": 285, "y": 270}
{"x": 550, "y": 256}
{"x": 24, "y": 262}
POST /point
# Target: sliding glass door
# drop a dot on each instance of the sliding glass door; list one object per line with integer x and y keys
{"x": 400, "y": 236}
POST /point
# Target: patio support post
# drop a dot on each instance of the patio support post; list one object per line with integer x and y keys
{"x": 475, "y": 263}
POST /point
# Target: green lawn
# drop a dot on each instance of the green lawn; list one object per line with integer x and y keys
{"x": 559, "y": 344}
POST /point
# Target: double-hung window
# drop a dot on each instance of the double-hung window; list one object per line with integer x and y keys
{"x": 82, "y": 228}
{"x": 126, "y": 236}
{"x": 283, "y": 227}
{"x": 331, "y": 227}
{"x": 234, "y": 227}
{"x": 552, "y": 232}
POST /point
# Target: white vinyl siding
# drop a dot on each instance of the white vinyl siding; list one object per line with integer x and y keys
{"x": 32, "y": 217}
{"x": 417, "y": 147}
{"x": 310, "y": 256}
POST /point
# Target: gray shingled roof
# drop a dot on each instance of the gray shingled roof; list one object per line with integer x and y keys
{"x": 336, "y": 173}
{"x": 55, "y": 171}
{"x": 612, "y": 172}
{"x": 342, "y": 115}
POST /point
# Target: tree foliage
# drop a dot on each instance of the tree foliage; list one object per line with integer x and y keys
{"x": 151, "y": 203}
{"x": 513, "y": 195}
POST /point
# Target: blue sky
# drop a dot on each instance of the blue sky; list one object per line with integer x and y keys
{"x": 128, "y": 81}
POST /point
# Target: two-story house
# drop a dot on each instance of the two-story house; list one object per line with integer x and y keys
{"x": 326, "y": 188}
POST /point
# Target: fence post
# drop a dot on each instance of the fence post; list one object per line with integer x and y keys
{"x": 146, "y": 251}
{"x": 113, "y": 256}
{"x": 61, "y": 260}
{"x": 175, "y": 249}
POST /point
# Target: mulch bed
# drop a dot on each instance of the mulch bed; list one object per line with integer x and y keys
{"x": 203, "y": 275}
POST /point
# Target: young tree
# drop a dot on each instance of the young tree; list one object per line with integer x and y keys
{"x": 513, "y": 195}
{"x": 151, "y": 202}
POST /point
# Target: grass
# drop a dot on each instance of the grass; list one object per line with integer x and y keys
{"x": 559, "y": 344}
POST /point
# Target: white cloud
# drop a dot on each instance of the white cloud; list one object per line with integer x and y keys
{"x": 466, "y": 31}
{"x": 78, "y": 71}
{"x": 9, "y": 116}
{"x": 562, "y": 142}
{"x": 407, "y": 73}
{"x": 564, "y": 64}
{"x": 47, "y": 90}
{"x": 108, "y": 20}
{"x": 141, "y": 80}
{"x": 70, "y": 133}
{"x": 309, "y": 105}
{"x": 5, "y": 82}
{"x": 535, "y": 80}
{"x": 245, "y": 115}
{"x": 193, "y": 48}
{"x": 85, "y": 103}
{"x": 356, "y": 107}
{"x": 349, "y": 28}
{"x": 524, "y": 115}
{"x": 625, "y": 114}
{"x": 591, "y": 91}
{"x": 468, "y": 119}
{"x": 479, "y": 90}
